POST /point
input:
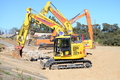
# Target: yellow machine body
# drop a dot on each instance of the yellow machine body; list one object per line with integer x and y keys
{"x": 88, "y": 44}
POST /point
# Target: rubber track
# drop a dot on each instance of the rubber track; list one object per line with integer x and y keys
{"x": 67, "y": 62}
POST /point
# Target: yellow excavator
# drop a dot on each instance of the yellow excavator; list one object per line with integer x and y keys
{"x": 68, "y": 51}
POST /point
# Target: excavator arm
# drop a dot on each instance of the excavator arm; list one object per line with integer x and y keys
{"x": 88, "y": 43}
{"x": 88, "y": 19}
{"x": 65, "y": 23}
{"x": 39, "y": 18}
{"x": 21, "y": 37}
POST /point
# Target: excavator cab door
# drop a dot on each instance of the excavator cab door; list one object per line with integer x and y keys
{"x": 62, "y": 47}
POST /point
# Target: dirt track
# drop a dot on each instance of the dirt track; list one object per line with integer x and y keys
{"x": 106, "y": 66}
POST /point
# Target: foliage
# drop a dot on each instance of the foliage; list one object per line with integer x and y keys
{"x": 0, "y": 50}
{"x": 29, "y": 78}
{"x": 81, "y": 29}
{"x": 45, "y": 29}
{"x": 20, "y": 76}
{"x": 108, "y": 36}
{"x": 8, "y": 73}
{"x": 13, "y": 30}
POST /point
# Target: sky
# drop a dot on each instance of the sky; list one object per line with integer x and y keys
{"x": 12, "y": 12}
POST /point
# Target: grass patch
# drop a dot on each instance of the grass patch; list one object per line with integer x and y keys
{"x": 29, "y": 78}
{"x": 17, "y": 69}
{"x": 0, "y": 63}
{"x": 1, "y": 70}
{"x": 8, "y": 73}
{"x": 2, "y": 37}
{"x": 20, "y": 76}
{"x": 1, "y": 45}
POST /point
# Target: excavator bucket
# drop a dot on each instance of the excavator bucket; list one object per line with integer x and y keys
{"x": 17, "y": 53}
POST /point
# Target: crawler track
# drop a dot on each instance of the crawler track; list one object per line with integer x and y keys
{"x": 66, "y": 64}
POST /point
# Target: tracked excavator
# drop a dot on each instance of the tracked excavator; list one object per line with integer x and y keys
{"x": 68, "y": 51}
{"x": 89, "y": 44}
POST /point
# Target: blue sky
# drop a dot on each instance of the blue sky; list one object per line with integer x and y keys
{"x": 12, "y": 12}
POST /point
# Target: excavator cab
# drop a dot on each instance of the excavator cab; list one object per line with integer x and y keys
{"x": 66, "y": 48}
{"x": 62, "y": 47}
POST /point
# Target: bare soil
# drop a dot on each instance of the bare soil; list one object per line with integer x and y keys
{"x": 9, "y": 40}
{"x": 105, "y": 66}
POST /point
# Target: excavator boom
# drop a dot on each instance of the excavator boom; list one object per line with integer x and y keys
{"x": 88, "y": 43}
{"x": 39, "y": 18}
{"x": 65, "y": 23}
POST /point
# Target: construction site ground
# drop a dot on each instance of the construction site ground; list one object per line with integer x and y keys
{"x": 105, "y": 66}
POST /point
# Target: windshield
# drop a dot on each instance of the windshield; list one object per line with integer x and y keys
{"x": 62, "y": 44}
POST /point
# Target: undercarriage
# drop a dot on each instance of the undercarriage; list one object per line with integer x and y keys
{"x": 65, "y": 64}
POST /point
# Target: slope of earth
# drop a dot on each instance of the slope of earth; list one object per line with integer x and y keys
{"x": 15, "y": 69}
{"x": 105, "y": 66}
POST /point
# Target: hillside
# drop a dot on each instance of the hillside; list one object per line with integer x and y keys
{"x": 105, "y": 66}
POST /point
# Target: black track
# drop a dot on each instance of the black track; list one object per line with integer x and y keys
{"x": 66, "y": 64}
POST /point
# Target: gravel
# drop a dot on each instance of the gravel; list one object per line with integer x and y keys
{"x": 28, "y": 53}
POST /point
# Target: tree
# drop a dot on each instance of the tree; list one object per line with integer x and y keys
{"x": 109, "y": 28}
{"x": 81, "y": 29}
{"x": 96, "y": 32}
{"x": 109, "y": 35}
{"x": 13, "y": 30}
{"x": 46, "y": 29}
{"x": 0, "y": 32}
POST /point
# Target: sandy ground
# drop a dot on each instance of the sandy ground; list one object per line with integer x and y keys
{"x": 105, "y": 66}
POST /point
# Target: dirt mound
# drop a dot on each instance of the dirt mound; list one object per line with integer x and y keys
{"x": 10, "y": 40}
